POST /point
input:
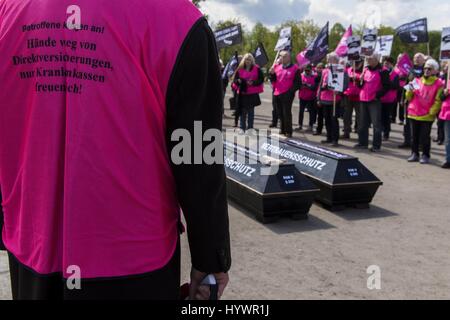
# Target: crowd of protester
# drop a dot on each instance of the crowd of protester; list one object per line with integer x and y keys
{"x": 375, "y": 96}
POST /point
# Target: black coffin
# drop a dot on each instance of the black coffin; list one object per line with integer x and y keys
{"x": 287, "y": 192}
{"x": 343, "y": 180}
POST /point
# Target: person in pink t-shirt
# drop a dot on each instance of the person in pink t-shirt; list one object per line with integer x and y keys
{"x": 91, "y": 95}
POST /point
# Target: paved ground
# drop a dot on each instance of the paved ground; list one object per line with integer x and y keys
{"x": 406, "y": 233}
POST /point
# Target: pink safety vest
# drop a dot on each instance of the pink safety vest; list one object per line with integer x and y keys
{"x": 285, "y": 78}
{"x": 253, "y": 76}
{"x": 306, "y": 93}
{"x": 445, "y": 110}
{"x": 353, "y": 90}
{"x": 391, "y": 95}
{"x": 327, "y": 95}
{"x": 84, "y": 168}
{"x": 424, "y": 98}
{"x": 372, "y": 84}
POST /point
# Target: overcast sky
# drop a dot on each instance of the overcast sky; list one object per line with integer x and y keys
{"x": 273, "y": 12}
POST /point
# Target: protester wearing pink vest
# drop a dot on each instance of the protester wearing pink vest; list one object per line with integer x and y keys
{"x": 275, "y": 116}
{"x": 330, "y": 101}
{"x": 352, "y": 95}
{"x": 319, "y": 116}
{"x": 250, "y": 82}
{"x": 307, "y": 96}
{"x": 374, "y": 84}
{"x": 402, "y": 61}
{"x": 415, "y": 73}
{"x": 440, "y": 138}
{"x": 287, "y": 80}
{"x": 424, "y": 98}
{"x": 389, "y": 100}
{"x": 234, "y": 99}
{"x": 88, "y": 185}
{"x": 444, "y": 116}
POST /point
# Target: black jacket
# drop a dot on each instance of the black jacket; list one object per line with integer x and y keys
{"x": 195, "y": 93}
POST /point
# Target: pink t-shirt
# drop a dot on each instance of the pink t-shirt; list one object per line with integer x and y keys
{"x": 84, "y": 167}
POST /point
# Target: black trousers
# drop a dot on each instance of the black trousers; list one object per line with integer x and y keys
{"x": 309, "y": 105}
{"x": 348, "y": 115}
{"x": 386, "y": 117}
{"x": 399, "y": 108}
{"x": 370, "y": 112}
{"x": 421, "y": 136}
{"x": 320, "y": 118}
{"x": 163, "y": 284}
{"x": 394, "y": 113}
{"x": 237, "y": 110}
{"x": 284, "y": 110}
{"x": 331, "y": 116}
{"x": 440, "y": 130}
{"x": 407, "y": 127}
{"x": 274, "y": 111}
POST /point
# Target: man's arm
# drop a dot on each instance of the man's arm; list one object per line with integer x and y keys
{"x": 297, "y": 81}
{"x": 260, "y": 79}
{"x": 2, "y": 246}
{"x": 195, "y": 94}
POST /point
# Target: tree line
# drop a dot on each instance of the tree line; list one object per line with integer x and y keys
{"x": 305, "y": 30}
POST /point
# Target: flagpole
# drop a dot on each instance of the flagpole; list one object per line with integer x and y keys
{"x": 276, "y": 58}
{"x": 428, "y": 47}
{"x": 334, "y": 103}
{"x": 448, "y": 75}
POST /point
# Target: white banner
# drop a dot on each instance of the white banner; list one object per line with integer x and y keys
{"x": 284, "y": 40}
{"x": 445, "y": 45}
{"x": 336, "y": 77}
{"x": 384, "y": 45}
{"x": 354, "y": 48}
{"x": 369, "y": 42}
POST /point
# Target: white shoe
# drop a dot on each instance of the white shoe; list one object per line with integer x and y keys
{"x": 424, "y": 160}
{"x": 251, "y": 132}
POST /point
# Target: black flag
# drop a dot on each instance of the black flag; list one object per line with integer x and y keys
{"x": 229, "y": 36}
{"x": 260, "y": 55}
{"x": 318, "y": 48}
{"x": 231, "y": 67}
{"x": 414, "y": 32}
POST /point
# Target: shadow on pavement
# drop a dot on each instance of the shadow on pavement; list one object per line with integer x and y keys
{"x": 285, "y": 225}
{"x": 374, "y": 212}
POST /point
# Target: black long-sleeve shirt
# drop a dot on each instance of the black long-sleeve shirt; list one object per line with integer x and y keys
{"x": 195, "y": 94}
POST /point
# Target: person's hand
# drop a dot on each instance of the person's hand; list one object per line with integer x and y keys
{"x": 272, "y": 70}
{"x": 446, "y": 92}
{"x": 250, "y": 82}
{"x": 202, "y": 292}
